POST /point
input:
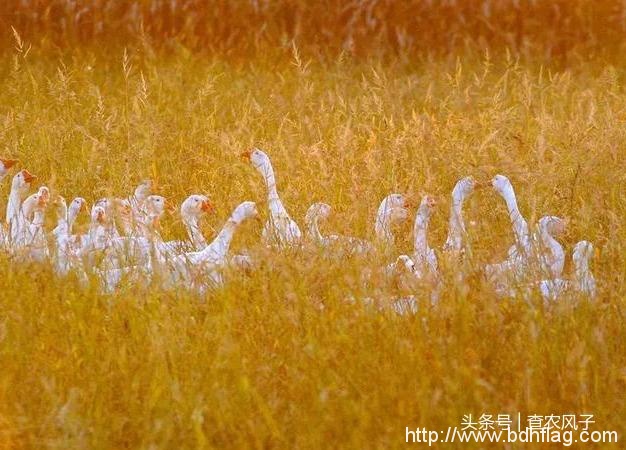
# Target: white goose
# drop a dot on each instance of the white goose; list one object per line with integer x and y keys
{"x": 340, "y": 245}
{"x": 393, "y": 210}
{"x": 456, "y": 240}
{"x": 192, "y": 210}
{"x": 19, "y": 188}
{"x": 583, "y": 280}
{"x": 511, "y": 271}
{"x": 101, "y": 233}
{"x": 280, "y": 229}
{"x": 136, "y": 250}
{"x": 76, "y": 206}
{"x": 424, "y": 256}
{"x": 550, "y": 253}
{"x": 201, "y": 270}
{"x": 503, "y": 186}
{"x": 67, "y": 256}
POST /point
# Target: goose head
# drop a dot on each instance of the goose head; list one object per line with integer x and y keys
{"x": 22, "y": 180}
{"x": 143, "y": 190}
{"x": 258, "y": 158}
{"x": 317, "y": 211}
{"x": 393, "y": 209}
{"x": 155, "y": 205}
{"x": 428, "y": 203}
{"x": 5, "y": 165}
{"x": 61, "y": 207}
{"x": 503, "y": 186}
{"x": 76, "y": 206}
{"x": 552, "y": 225}
{"x": 243, "y": 211}
{"x": 99, "y": 215}
{"x": 463, "y": 188}
{"x": 44, "y": 195}
{"x": 196, "y": 206}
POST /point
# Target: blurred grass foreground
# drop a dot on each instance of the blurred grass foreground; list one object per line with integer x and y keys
{"x": 352, "y": 100}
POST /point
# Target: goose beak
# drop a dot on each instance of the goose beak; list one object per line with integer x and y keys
{"x": 247, "y": 155}
{"x": 207, "y": 207}
{"x": 28, "y": 177}
{"x": 8, "y": 163}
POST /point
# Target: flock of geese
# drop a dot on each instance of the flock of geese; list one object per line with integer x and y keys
{"x": 123, "y": 243}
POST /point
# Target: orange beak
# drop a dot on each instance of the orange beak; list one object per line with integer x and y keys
{"x": 207, "y": 206}
{"x": 246, "y": 155}
{"x": 8, "y": 163}
{"x": 28, "y": 177}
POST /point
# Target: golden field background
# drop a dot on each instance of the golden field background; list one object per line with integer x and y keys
{"x": 279, "y": 358}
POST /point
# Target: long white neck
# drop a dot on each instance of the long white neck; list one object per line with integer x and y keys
{"x": 520, "y": 226}
{"x": 220, "y": 245}
{"x": 13, "y": 207}
{"x": 456, "y": 225}
{"x": 382, "y": 228}
{"x": 38, "y": 218}
{"x": 72, "y": 213}
{"x": 582, "y": 271}
{"x": 313, "y": 229}
{"x": 267, "y": 171}
{"x": 194, "y": 232}
{"x": 420, "y": 229}
{"x": 556, "y": 254}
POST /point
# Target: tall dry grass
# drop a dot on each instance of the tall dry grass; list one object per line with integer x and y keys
{"x": 279, "y": 358}
{"x": 562, "y": 29}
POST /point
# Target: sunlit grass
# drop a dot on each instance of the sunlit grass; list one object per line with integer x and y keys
{"x": 279, "y": 358}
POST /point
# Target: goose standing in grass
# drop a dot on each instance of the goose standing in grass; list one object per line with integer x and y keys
{"x": 141, "y": 193}
{"x": 280, "y": 229}
{"x": 339, "y": 245}
{"x": 505, "y": 275}
{"x": 582, "y": 281}
{"x": 456, "y": 242}
{"x": 76, "y": 206}
{"x": 203, "y": 269}
{"x": 424, "y": 256}
{"x": 67, "y": 257}
{"x": 503, "y": 186}
{"x": 101, "y": 233}
{"x": 192, "y": 210}
{"x": 19, "y": 188}
{"x": 549, "y": 252}
{"x": 393, "y": 210}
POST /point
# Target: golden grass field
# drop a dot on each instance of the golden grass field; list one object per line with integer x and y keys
{"x": 278, "y": 358}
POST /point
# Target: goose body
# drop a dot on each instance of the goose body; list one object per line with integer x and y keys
{"x": 19, "y": 188}
{"x": 582, "y": 282}
{"x": 202, "y": 269}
